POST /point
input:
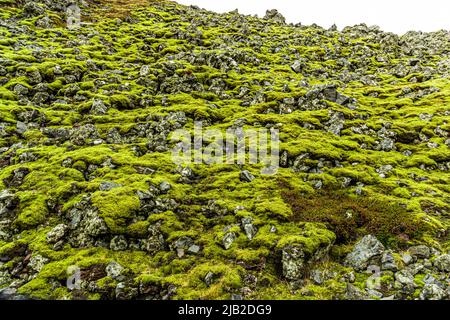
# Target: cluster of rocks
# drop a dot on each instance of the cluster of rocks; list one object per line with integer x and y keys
{"x": 154, "y": 129}
{"x": 420, "y": 272}
{"x": 8, "y": 211}
{"x": 96, "y": 87}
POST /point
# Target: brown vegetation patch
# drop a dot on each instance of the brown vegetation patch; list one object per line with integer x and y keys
{"x": 351, "y": 217}
{"x": 120, "y": 8}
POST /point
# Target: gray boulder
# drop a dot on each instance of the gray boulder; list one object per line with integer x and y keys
{"x": 118, "y": 243}
{"x": 421, "y": 252}
{"x": 107, "y": 186}
{"x": 228, "y": 240}
{"x": 432, "y": 292}
{"x": 115, "y": 271}
{"x": 366, "y": 249}
{"x": 443, "y": 263}
{"x": 249, "y": 229}
{"x": 57, "y": 233}
{"x": 388, "y": 261}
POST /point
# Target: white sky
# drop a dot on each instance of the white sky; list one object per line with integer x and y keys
{"x": 397, "y": 16}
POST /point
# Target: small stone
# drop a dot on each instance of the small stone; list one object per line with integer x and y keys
{"x": 351, "y": 277}
{"x": 145, "y": 71}
{"x": 21, "y": 127}
{"x": 354, "y": 293}
{"x": 359, "y": 191}
{"x": 209, "y": 278}
{"x": 275, "y": 16}
{"x": 317, "y": 184}
{"x": 317, "y": 276}
{"x": 429, "y": 279}
{"x": 336, "y": 123}
{"x": 21, "y": 90}
{"x": 37, "y": 262}
{"x": 249, "y": 229}
{"x": 374, "y": 293}
{"x": 387, "y": 145}
{"x": 246, "y": 176}
{"x": 432, "y": 145}
{"x": 228, "y": 240}
{"x": 194, "y": 249}
{"x": 11, "y": 294}
{"x": 388, "y": 261}
{"x": 115, "y": 270}
{"x": 407, "y": 258}
{"x": 297, "y": 66}
{"x": 293, "y": 262}
{"x": 284, "y": 159}
{"x": 404, "y": 278}
{"x": 57, "y": 233}
{"x": 180, "y": 252}
{"x": 107, "y": 186}
{"x": 98, "y": 107}
{"x": 118, "y": 243}
{"x": 125, "y": 292}
{"x": 165, "y": 187}
{"x": 188, "y": 173}
{"x": 414, "y": 268}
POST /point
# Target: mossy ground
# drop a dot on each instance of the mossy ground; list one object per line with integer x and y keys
{"x": 102, "y": 61}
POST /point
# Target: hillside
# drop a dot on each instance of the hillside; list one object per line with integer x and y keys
{"x": 88, "y": 181}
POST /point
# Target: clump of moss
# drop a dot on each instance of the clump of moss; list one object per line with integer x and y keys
{"x": 117, "y": 207}
{"x": 33, "y": 210}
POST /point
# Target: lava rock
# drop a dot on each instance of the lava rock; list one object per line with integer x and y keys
{"x": 366, "y": 249}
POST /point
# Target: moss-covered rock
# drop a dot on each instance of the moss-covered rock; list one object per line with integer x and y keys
{"x": 88, "y": 182}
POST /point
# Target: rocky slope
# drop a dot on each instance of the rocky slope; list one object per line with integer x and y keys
{"x": 359, "y": 208}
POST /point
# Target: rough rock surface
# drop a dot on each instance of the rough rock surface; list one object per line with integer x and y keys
{"x": 366, "y": 249}
{"x": 358, "y": 208}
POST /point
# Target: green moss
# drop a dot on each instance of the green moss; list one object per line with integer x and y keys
{"x": 193, "y": 286}
{"x": 120, "y": 101}
{"x": 138, "y": 229}
{"x": 41, "y": 289}
{"x": 409, "y": 205}
{"x": 7, "y": 95}
{"x": 33, "y": 210}
{"x": 116, "y": 207}
{"x": 312, "y": 237}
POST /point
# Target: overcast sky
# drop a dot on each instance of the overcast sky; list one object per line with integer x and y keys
{"x": 396, "y": 16}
